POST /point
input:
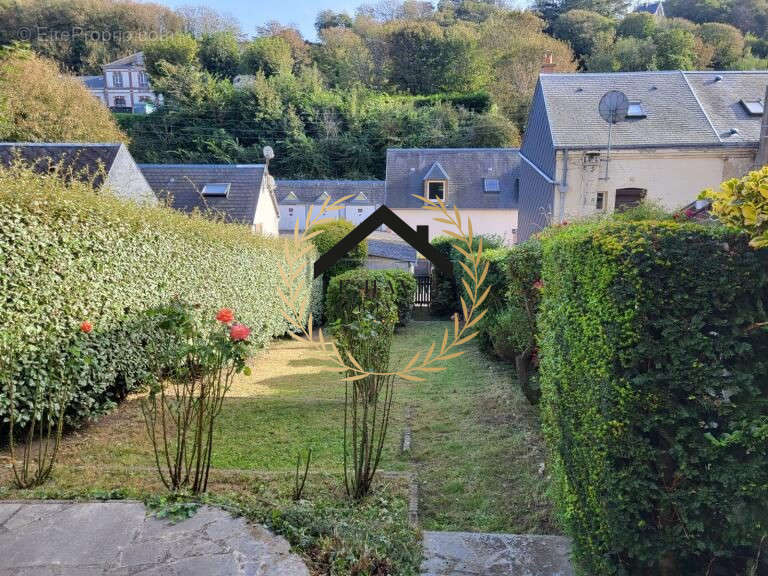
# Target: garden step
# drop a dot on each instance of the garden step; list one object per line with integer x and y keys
{"x": 119, "y": 538}
{"x": 478, "y": 554}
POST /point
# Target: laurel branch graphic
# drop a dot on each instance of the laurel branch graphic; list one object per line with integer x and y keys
{"x": 295, "y": 277}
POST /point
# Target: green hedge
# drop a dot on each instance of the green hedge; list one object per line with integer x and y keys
{"x": 396, "y": 286}
{"x": 68, "y": 254}
{"x": 655, "y": 395}
{"x": 330, "y": 235}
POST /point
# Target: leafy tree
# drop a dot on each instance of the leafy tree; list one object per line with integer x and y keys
{"x": 726, "y": 41}
{"x": 550, "y": 10}
{"x": 299, "y": 48}
{"x": 627, "y": 54}
{"x": 637, "y": 25}
{"x": 343, "y": 58}
{"x": 270, "y": 54}
{"x": 330, "y": 233}
{"x": 697, "y": 10}
{"x": 330, "y": 19}
{"x": 176, "y": 50}
{"x": 675, "y": 49}
{"x": 581, "y": 29}
{"x": 220, "y": 54}
{"x": 202, "y": 20}
{"x": 470, "y": 10}
{"x": 39, "y": 104}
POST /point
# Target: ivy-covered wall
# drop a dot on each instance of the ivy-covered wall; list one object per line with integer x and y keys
{"x": 68, "y": 255}
{"x": 654, "y": 377}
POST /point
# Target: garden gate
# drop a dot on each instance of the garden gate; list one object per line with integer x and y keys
{"x": 423, "y": 291}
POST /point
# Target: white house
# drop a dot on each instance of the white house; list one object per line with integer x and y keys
{"x": 242, "y": 193}
{"x": 484, "y": 183}
{"x": 123, "y": 84}
{"x": 684, "y": 132}
{"x": 296, "y": 196}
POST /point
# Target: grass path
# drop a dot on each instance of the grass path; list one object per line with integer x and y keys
{"x": 475, "y": 440}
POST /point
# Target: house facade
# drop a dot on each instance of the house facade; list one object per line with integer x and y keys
{"x": 239, "y": 193}
{"x": 123, "y": 85}
{"x": 109, "y": 166}
{"x": 295, "y": 197}
{"x": 484, "y": 183}
{"x": 655, "y": 9}
{"x": 684, "y": 132}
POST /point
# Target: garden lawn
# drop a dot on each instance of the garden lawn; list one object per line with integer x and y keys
{"x": 476, "y": 446}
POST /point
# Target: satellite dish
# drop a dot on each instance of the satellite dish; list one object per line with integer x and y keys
{"x": 268, "y": 153}
{"x": 613, "y": 107}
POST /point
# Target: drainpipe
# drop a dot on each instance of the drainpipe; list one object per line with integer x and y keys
{"x": 562, "y": 186}
{"x": 762, "y": 152}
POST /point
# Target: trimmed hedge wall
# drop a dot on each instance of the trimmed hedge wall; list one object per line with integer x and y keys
{"x": 68, "y": 254}
{"x": 344, "y": 291}
{"x": 655, "y": 395}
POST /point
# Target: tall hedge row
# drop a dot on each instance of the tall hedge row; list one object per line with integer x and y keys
{"x": 68, "y": 254}
{"x": 345, "y": 292}
{"x": 654, "y": 377}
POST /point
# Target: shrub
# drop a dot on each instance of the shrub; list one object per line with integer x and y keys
{"x": 654, "y": 381}
{"x": 393, "y": 286}
{"x": 68, "y": 254}
{"x": 330, "y": 234}
{"x": 743, "y": 203}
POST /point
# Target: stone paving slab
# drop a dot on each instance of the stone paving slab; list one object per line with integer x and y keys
{"x": 119, "y": 539}
{"x": 478, "y": 554}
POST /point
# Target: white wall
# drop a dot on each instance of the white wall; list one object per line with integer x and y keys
{"x": 288, "y": 215}
{"x": 356, "y": 213}
{"x": 673, "y": 178}
{"x": 266, "y": 219}
{"x": 500, "y": 222}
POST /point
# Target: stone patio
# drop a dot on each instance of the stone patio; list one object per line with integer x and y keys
{"x": 477, "y": 554}
{"x": 119, "y": 539}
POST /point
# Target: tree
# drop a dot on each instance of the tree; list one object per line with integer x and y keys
{"x": 202, "y": 20}
{"x": 581, "y": 29}
{"x": 726, "y": 41}
{"x": 300, "y": 50}
{"x": 550, "y": 10}
{"x": 176, "y": 50}
{"x": 637, "y": 25}
{"x": 39, "y": 104}
{"x": 220, "y": 54}
{"x": 330, "y": 19}
{"x": 343, "y": 58}
{"x": 270, "y": 54}
{"x": 627, "y": 54}
{"x": 675, "y": 49}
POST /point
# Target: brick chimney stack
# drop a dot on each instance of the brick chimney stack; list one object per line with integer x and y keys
{"x": 548, "y": 66}
{"x": 762, "y": 152}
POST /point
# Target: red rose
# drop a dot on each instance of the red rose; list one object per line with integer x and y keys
{"x": 239, "y": 332}
{"x": 86, "y": 327}
{"x": 225, "y": 315}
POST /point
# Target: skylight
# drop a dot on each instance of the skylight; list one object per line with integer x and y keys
{"x": 753, "y": 107}
{"x": 218, "y": 189}
{"x": 636, "y": 110}
{"x": 491, "y": 185}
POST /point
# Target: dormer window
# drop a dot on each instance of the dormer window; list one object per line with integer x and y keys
{"x": 435, "y": 189}
{"x": 217, "y": 189}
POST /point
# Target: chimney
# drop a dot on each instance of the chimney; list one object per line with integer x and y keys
{"x": 548, "y": 66}
{"x": 762, "y": 152}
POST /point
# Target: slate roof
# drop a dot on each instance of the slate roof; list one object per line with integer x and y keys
{"x": 185, "y": 182}
{"x": 93, "y": 82}
{"x": 683, "y": 108}
{"x": 85, "y": 161}
{"x": 466, "y": 168}
{"x": 308, "y": 191}
{"x": 393, "y": 250}
{"x": 650, "y": 7}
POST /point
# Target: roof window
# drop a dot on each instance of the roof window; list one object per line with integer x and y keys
{"x": 491, "y": 185}
{"x": 636, "y": 110}
{"x": 217, "y": 189}
{"x": 753, "y": 107}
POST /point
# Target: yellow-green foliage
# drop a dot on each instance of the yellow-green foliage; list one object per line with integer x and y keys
{"x": 743, "y": 203}
{"x": 68, "y": 254}
{"x": 38, "y": 104}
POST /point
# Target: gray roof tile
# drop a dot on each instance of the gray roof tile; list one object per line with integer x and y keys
{"x": 84, "y": 160}
{"x": 308, "y": 191}
{"x": 184, "y": 184}
{"x": 393, "y": 250}
{"x": 465, "y": 169}
{"x": 683, "y": 108}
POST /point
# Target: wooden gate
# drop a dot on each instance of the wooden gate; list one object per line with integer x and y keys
{"x": 423, "y": 291}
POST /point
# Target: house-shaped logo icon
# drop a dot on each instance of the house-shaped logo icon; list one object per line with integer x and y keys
{"x": 418, "y": 239}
